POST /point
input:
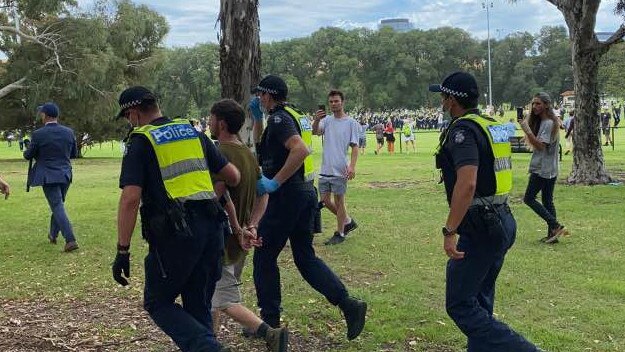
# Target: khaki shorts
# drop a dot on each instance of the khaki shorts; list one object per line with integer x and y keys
{"x": 227, "y": 292}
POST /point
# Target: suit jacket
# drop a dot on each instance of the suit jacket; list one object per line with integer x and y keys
{"x": 52, "y": 147}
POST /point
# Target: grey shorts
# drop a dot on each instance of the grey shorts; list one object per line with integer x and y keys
{"x": 227, "y": 291}
{"x": 336, "y": 185}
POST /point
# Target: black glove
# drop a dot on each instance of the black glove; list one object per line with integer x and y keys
{"x": 121, "y": 264}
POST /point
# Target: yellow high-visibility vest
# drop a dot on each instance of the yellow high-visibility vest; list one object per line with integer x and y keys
{"x": 180, "y": 159}
{"x": 499, "y": 142}
{"x": 305, "y": 128}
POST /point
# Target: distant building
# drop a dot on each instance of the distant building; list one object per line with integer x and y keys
{"x": 603, "y": 36}
{"x": 397, "y": 24}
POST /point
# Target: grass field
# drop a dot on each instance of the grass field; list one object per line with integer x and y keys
{"x": 564, "y": 297}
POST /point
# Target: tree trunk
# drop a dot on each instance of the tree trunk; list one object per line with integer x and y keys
{"x": 588, "y": 163}
{"x": 240, "y": 55}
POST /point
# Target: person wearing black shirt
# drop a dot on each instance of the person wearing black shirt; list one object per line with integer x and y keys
{"x": 478, "y": 213}
{"x": 290, "y": 215}
{"x": 185, "y": 233}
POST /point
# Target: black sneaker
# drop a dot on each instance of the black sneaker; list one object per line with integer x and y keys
{"x": 355, "y": 312}
{"x": 350, "y": 227}
{"x": 277, "y": 339}
{"x": 336, "y": 239}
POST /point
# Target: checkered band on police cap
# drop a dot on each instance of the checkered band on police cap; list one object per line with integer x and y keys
{"x": 133, "y": 96}
{"x": 459, "y": 84}
{"x": 273, "y": 85}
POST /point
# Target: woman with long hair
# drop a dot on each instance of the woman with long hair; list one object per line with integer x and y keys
{"x": 542, "y": 133}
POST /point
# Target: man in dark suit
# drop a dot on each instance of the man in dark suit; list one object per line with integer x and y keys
{"x": 52, "y": 147}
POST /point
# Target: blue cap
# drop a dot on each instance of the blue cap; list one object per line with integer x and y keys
{"x": 50, "y": 109}
{"x": 459, "y": 84}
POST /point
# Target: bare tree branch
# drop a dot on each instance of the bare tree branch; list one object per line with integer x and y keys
{"x": 35, "y": 39}
{"x": 6, "y": 90}
{"x": 616, "y": 37}
{"x": 138, "y": 63}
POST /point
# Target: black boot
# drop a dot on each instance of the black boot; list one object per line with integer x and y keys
{"x": 355, "y": 312}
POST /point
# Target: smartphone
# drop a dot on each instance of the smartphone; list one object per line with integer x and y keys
{"x": 519, "y": 114}
{"x": 321, "y": 107}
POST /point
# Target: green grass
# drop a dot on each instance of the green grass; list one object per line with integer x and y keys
{"x": 566, "y": 297}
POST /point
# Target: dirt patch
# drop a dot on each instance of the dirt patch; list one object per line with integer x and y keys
{"x": 111, "y": 324}
{"x": 393, "y": 184}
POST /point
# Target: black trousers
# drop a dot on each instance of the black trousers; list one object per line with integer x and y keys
{"x": 189, "y": 267}
{"x": 546, "y": 210}
{"x": 485, "y": 237}
{"x": 290, "y": 216}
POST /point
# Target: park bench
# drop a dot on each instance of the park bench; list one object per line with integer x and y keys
{"x": 518, "y": 145}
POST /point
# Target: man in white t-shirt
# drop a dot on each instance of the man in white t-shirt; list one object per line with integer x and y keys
{"x": 340, "y": 132}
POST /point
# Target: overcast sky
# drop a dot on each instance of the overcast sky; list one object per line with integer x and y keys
{"x": 194, "y": 21}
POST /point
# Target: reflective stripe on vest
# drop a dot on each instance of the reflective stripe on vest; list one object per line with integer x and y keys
{"x": 305, "y": 129}
{"x": 500, "y": 145}
{"x": 181, "y": 159}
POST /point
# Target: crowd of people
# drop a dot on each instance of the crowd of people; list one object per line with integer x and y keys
{"x": 423, "y": 118}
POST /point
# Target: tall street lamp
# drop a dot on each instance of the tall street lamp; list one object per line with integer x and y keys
{"x": 487, "y": 5}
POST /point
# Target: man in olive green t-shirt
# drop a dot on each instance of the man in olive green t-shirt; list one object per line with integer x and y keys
{"x": 245, "y": 210}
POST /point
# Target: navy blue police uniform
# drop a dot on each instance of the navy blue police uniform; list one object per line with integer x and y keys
{"x": 177, "y": 265}
{"x": 487, "y": 232}
{"x": 289, "y": 216}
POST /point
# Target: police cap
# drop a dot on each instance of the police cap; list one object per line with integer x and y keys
{"x": 459, "y": 84}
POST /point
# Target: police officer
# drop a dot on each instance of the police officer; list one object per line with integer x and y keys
{"x": 287, "y": 177}
{"x": 474, "y": 157}
{"x": 166, "y": 169}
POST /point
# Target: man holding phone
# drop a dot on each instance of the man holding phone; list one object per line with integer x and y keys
{"x": 340, "y": 132}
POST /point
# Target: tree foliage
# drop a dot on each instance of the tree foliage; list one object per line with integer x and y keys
{"x": 94, "y": 56}
{"x": 188, "y": 80}
{"x": 381, "y": 69}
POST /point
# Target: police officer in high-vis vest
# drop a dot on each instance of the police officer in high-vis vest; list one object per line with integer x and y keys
{"x": 165, "y": 173}
{"x": 287, "y": 169}
{"x": 474, "y": 157}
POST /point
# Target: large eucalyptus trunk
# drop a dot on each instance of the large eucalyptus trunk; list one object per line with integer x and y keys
{"x": 240, "y": 54}
{"x": 588, "y": 163}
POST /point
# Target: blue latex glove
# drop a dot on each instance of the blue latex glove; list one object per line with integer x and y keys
{"x": 265, "y": 185}
{"x": 255, "y": 108}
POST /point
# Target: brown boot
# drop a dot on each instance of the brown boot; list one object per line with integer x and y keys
{"x": 70, "y": 246}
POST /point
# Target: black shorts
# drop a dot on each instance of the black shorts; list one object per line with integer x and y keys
{"x": 380, "y": 141}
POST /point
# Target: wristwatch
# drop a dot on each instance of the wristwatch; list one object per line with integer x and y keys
{"x": 448, "y": 232}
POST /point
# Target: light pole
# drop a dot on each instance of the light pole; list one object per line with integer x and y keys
{"x": 487, "y": 5}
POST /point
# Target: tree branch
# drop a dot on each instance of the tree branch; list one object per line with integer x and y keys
{"x": 24, "y": 36}
{"x": 616, "y": 37}
{"x": 138, "y": 63}
{"x": 13, "y": 87}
